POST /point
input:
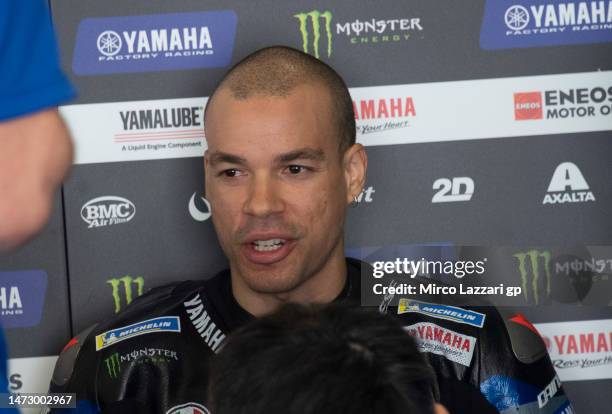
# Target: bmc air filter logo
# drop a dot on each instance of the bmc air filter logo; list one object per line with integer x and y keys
{"x": 530, "y": 23}
{"x": 154, "y": 42}
{"x": 107, "y": 211}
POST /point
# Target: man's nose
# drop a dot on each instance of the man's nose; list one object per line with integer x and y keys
{"x": 264, "y": 198}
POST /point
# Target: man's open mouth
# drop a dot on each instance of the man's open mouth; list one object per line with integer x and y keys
{"x": 268, "y": 245}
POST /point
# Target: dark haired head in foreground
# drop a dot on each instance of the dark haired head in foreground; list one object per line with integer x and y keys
{"x": 318, "y": 360}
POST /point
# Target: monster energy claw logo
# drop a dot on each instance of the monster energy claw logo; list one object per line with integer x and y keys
{"x": 537, "y": 269}
{"x": 128, "y": 282}
{"x": 113, "y": 367}
{"x": 315, "y": 20}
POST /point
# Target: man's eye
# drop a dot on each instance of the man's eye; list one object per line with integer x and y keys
{"x": 296, "y": 169}
{"x": 232, "y": 172}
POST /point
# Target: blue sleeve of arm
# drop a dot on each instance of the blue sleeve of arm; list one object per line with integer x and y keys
{"x": 30, "y": 76}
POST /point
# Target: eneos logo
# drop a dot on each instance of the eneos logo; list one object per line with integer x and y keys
{"x": 567, "y": 103}
{"x": 154, "y": 42}
{"x": 107, "y": 211}
{"x": 527, "y": 105}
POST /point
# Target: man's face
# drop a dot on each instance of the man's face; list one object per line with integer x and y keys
{"x": 277, "y": 185}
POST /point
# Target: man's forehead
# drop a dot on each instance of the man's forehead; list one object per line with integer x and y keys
{"x": 314, "y": 154}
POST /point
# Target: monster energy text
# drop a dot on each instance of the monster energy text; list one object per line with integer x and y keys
{"x": 128, "y": 283}
{"x": 539, "y": 265}
{"x": 316, "y": 30}
{"x": 139, "y": 356}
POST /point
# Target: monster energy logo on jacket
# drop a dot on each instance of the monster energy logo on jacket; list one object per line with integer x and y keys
{"x": 138, "y": 356}
{"x": 129, "y": 285}
{"x": 113, "y": 366}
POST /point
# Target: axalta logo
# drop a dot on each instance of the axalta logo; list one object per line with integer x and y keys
{"x": 125, "y": 289}
{"x": 22, "y": 296}
{"x": 379, "y": 114}
{"x": 161, "y": 324}
{"x": 568, "y": 185}
{"x": 188, "y": 408}
{"x": 107, "y": 211}
{"x": 563, "y": 103}
{"x": 435, "y": 339}
{"x": 539, "y": 23}
{"x": 317, "y": 31}
{"x": 453, "y": 189}
{"x": 199, "y": 208}
{"x": 154, "y": 42}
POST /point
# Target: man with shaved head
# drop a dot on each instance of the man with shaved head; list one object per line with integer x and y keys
{"x": 281, "y": 167}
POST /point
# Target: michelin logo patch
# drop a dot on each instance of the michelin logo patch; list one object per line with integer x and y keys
{"x": 450, "y": 313}
{"x": 162, "y": 324}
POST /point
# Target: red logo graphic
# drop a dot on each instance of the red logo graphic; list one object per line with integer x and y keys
{"x": 70, "y": 344}
{"x": 527, "y": 105}
{"x": 521, "y": 320}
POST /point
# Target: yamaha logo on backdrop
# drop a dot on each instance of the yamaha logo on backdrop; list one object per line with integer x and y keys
{"x": 154, "y": 42}
{"x": 107, "y": 211}
{"x": 530, "y": 23}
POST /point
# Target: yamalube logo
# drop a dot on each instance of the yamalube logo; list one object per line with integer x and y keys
{"x": 107, "y": 211}
{"x": 451, "y": 190}
{"x": 154, "y": 42}
{"x": 199, "y": 209}
{"x": 568, "y": 186}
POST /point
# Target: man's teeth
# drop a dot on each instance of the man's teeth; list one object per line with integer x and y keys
{"x": 268, "y": 245}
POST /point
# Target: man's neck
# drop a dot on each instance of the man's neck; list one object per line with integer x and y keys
{"x": 322, "y": 287}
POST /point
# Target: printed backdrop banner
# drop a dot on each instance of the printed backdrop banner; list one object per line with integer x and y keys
{"x": 486, "y": 124}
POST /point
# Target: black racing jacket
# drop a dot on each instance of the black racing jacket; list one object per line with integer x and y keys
{"x": 154, "y": 356}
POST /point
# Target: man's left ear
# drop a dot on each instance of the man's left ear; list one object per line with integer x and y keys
{"x": 355, "y": 162}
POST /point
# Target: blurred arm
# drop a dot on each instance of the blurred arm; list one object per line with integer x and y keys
{"x": 35, "y": 154}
